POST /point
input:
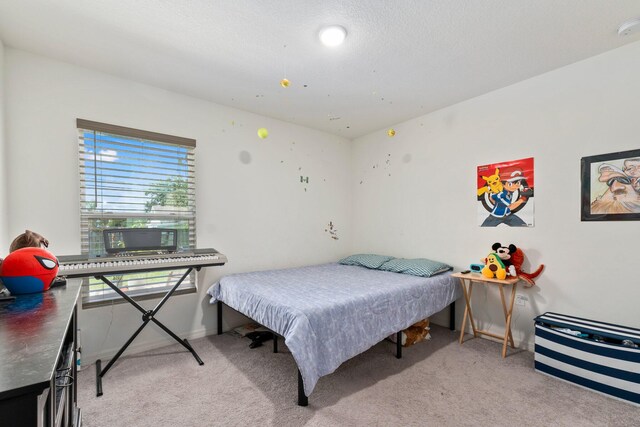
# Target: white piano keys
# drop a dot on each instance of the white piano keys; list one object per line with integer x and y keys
{"x": 76, "y": 267}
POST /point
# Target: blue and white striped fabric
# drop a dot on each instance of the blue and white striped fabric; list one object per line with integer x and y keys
{"x": 608, "y": 368}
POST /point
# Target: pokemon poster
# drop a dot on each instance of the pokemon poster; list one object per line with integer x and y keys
{"x": 505, "y": 194}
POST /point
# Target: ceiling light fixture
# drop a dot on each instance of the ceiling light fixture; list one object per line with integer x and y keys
{"x": 333, "y": 35}
{"x": 629, "y": 27}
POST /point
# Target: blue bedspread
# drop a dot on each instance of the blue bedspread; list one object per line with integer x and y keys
{"x": 331, "y": 312}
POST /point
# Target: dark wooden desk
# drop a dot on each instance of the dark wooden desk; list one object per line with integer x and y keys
{"x": 37, "y": 358}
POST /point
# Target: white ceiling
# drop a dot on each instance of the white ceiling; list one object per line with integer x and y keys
{"x": 401, "y": 58}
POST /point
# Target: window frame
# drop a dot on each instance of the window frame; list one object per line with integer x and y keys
{"x": 86, "y": 215}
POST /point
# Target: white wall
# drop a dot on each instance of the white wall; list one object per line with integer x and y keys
{"x": 255, "y": 212}
{"x": 417, "y": 202}
{"x": 427, "y": 206}
{"x": 4, "y": 217}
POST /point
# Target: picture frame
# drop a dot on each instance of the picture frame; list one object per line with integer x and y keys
{"x": 610, "y": 187}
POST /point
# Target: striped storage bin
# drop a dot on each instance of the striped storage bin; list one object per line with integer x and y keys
{"x": 581, "y": 357}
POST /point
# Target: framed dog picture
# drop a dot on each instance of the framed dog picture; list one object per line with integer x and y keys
{"x": 611, "y": 187}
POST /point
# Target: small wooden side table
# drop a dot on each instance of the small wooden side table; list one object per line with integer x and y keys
{"x": 467, "y": 281}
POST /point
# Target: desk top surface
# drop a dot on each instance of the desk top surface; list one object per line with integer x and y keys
{"x": 32, "y": 329}
{"x": 477, "y": 277}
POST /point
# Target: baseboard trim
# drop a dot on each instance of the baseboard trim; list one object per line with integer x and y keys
{"x": 139, "y": 347}
{"x": 528, "y": 345}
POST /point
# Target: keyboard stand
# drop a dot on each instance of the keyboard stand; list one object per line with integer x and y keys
{"x": 147, "y": 316}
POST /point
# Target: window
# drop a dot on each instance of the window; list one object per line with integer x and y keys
{"x": 134, "y": 179}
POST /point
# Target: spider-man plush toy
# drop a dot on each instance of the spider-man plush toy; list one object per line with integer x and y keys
{"x": 28, "y": 270}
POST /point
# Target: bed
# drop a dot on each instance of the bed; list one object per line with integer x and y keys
{"x": 330, "y": 313}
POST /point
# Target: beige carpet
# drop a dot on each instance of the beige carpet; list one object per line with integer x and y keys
{"x": 436, "y": 383}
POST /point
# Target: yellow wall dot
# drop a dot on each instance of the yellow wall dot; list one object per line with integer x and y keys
{"x": 285, "y": 83}
{"x": 391, "y": 132}
{"x": 263, "y": 133}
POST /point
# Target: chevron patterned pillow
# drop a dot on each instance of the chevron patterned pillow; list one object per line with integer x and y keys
{"x": 417, "y": 267}
{"x": 365, "y": 260}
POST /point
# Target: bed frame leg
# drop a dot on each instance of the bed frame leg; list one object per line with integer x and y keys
{"x": 275, "y": 342}
{"x": 399, "y": 345}
{"x": 452, "y": 316}
{"x": 219, "y": 317}
{"x": 303, "y": 400}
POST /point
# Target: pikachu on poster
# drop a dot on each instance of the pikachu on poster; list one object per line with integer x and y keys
{"x": 505, "y": 193}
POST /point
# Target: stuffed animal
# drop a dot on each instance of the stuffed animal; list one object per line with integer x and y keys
{"x": 494, "y": 267}
{"x": 28, "y": 239}
{"x": 415, "y": 333}
{"x": 504, "y": 253}
{"x": 517, "y": 259}
{"x": 29, "y": 270}
{"x": 513, "y": 257}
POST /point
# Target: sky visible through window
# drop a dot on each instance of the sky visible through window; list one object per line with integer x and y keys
{"x": 125, "y": 174}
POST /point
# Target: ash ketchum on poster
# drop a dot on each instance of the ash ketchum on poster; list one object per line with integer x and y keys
{"x": 505, "y": 194}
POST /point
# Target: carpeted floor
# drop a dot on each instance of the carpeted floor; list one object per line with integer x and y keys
{"x": 436, "y": 383}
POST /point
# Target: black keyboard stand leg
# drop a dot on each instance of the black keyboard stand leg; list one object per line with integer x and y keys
{"x": 103, "y": 372}
{"x": 200, "y": 362}
{"x": 184, "y": 342}
{"x": 147, "y": 316}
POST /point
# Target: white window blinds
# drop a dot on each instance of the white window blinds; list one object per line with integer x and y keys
{"x": 134, "y": 179}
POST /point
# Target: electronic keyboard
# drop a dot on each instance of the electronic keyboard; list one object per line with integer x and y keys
{"x": 83, "y": 266}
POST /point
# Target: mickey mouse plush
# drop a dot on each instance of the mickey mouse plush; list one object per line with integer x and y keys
{"x": 505, "y": 253}
{"x": 513, "y": 258}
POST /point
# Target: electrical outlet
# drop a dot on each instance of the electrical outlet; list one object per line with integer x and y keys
{"x": 521, "y": 300}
